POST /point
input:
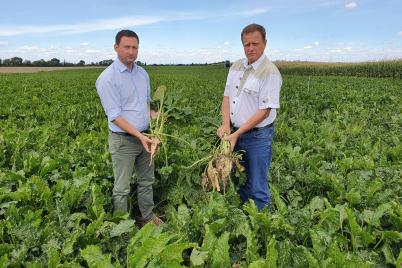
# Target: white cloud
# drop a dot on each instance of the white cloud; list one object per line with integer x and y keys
{"x": 85, "y": 44}
{"x": 315, "y": 44}
{"x": 3, "y": 43}
{"x": 92, "y": 51}
{"x": 26, "y": 48}
{"x": 227, "y": 43}
{"x": 341, "y": 52}
{"x": 336, "y": 52}
{"x": 68, "y": 53}
{"x": 255, "y": 12}
{"x": 99, "y": 25}
{"x": 197, "y": 55}
{"x": 400, "y": 34}
{"x": 351, "y": 5}
{"x": 117, "y": 23}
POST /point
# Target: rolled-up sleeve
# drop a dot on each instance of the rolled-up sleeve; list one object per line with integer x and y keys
{"x": 110, "y": 98}
{"x": 226, "y": 93}
{"x": 148, "y": 88}
{"x": 270, "y": 91}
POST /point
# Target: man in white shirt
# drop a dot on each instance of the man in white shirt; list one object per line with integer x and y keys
{"x": 249, "y": 106}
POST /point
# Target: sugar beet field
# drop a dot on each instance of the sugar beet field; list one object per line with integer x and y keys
{"x": 335, "y": 179}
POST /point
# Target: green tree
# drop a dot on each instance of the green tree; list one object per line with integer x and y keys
{"x": 16, "y": 61}
{"x": 54, "y": 62}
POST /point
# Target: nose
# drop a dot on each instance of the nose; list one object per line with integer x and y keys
{"x": 251, "y": 48}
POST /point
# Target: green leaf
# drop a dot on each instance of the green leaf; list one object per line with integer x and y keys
{"x": 160, "y": 93}
{"x": 146, "y": 244}
{"x": 399, "y": 260}
{"x": 5, "y": 248}
{"x": 389, "y": 256}
{"x": 220, "y": 255}
{"x": 272, "y": 254}
{"x": 98, "y": 199}
{"x": 143, "y": 234}
{"x": 318, "y": 244}
{"x": 4, "y": 261}
{"x": 355, "y": 229}
{"x": 280, "y": 205}
{"x": 316, "y": 203}
{"x": 94, "y": 257}
{"x": 174, "y": 252}
{"x": 209, "y": 240}
{"x": 68, "y": 247}
{"x": 53, "y": 258}
{"x": 197, "y": 257}
{"x": 312, "y": 261}
{"x": 258, "y": 264}
{"x": 125, "y": 226}
{"x": 94, "y": 226}
{"x": 394, "y": 236}
{"x": 373, "y": 218}
{"x": 336, "y": 256}
{"x": 353, "y": 197}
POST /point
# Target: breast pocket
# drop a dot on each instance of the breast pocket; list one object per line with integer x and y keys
{"x": 129, "y": 99}
{"x": 251, "y": 90}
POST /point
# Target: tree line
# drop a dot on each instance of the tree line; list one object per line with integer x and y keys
{"x": 17, "y": 61}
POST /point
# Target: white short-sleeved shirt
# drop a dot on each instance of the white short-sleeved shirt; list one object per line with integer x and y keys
{"x": 260, "y": 91}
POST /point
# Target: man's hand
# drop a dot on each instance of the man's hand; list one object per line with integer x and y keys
{"x": 232, "y": 138}
{"x": 146, "y": 142}
{"x": 222, "y": 130}
{"x": 154, "y": 114}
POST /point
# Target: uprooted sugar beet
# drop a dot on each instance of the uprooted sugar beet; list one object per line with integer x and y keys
{"x": 220, "y": 167}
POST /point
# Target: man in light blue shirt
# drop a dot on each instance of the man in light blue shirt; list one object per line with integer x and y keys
{"x": 124, "y": 90}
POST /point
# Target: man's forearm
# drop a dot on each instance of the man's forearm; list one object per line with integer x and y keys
{"x": 253, "y": 121}
{"x": 126, "y": 126}
{"x": 225, "y": 110}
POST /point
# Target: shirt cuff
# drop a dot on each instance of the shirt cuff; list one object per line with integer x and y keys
{"x": 112, "y": 114}
{"x": 269, "y": 105}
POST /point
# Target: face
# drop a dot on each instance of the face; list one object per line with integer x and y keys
{"x": 253, "y": 45}
{"x": 127, "y": 50}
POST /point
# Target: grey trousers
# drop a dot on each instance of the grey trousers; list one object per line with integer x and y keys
{"x": 128, "y": 155}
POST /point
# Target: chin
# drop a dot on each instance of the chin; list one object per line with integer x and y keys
{"x": 252, "y": 59}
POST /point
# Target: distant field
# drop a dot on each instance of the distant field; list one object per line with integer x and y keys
{"x": 391, "y": 68}
{"x": 41, "y": 69}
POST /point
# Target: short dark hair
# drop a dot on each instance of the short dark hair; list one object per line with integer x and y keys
{"x": 253, "y": 28}
{"x": 127, "y": 33}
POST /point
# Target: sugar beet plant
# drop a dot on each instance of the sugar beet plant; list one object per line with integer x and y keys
{"x": 335, "y": 177}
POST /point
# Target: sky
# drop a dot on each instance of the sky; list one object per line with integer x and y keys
{"x": 185, "y": 31}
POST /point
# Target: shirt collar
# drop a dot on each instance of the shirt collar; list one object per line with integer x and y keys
{"x": 123, "y": 67}
{"x": 254, "y": 64}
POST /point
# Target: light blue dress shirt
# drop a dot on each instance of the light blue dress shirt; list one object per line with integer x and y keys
{"x": 126, "y": 93}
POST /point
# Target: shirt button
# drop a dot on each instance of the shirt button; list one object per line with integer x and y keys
{"x": 231, "y": 113}
{"x": 234, "y": 102}
{"x": 237, "y": 86}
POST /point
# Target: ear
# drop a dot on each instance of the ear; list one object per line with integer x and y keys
{"x": 115, "y": 47}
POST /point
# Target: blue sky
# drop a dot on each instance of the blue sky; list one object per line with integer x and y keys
{"x": 202, "y": 31}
